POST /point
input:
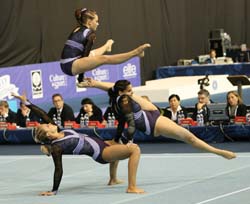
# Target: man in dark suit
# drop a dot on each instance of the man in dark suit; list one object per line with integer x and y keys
{"x": 201, "y": 105}
{"x": 24, "y": 114}
{"x": 212, "y": 57}
{"x": 61, "y": 109}
{"x": 6, "y": 113}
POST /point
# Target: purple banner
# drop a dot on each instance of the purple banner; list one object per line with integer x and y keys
{"x": 41, "y": 81}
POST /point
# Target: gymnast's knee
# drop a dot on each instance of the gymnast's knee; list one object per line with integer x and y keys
{"x": 134, "y": 148}
{"x": 104, "y": 59}
{"x": 190, "y": 139}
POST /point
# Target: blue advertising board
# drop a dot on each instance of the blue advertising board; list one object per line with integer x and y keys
{"x": 41, "y": 81}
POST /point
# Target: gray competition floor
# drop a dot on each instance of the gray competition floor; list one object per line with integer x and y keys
{"x": 171, "y": 173}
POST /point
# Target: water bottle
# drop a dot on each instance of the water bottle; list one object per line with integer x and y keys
{"x": 109, "y": 120}
{"x": 59, "y": 121}
{"x": 112, "y": 120}
{"x": 4, "y": 119}
{"x": 182, "y": 115}
{"x": 86, "y": 120}
{"x": 201, "y": 120}
{"x": 54, "y": 119}
{"x": 179, "y": 117}
{"x": 82, "y": 122}
{"x": 27, "y": 121}
{"x": 198, "y": 119}
{"x": 248, "y": 117}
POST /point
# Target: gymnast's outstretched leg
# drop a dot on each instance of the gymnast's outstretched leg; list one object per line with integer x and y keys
{"x": 166, "y": 127}
{"x": 88, "y": 63}
{"x": 107, "y": 47}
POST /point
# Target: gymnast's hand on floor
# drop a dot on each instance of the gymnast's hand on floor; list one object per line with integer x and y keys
{"x": 47, "y": 193}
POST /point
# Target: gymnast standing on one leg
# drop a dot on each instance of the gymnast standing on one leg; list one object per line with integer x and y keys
{"x": 77, "y": 56}
{"x": 143, "y": 115}
{"x": 71, "y": 142}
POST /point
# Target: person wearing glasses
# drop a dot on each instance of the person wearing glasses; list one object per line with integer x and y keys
{"x": 61, "y": 110}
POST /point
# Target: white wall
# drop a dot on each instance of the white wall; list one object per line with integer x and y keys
{"x": 186, "y": 87}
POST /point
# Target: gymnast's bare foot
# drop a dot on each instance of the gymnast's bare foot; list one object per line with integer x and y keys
{"x": 140, "y": 50}
{"x": 109, "y": 44}
{"x": 227, "y": 154}
{"x": 135, "y": 190}
{"x": 115, "y": 182}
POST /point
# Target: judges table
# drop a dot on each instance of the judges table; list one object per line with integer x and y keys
{"x": 201, "y": 70}
{"x": 206, "y": 133}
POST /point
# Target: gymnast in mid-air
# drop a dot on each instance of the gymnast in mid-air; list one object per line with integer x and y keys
{"x": 77, "y": 56}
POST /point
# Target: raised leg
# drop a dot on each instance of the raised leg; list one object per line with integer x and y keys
{"x": 107, "y": 47}
{"x": 88, "y": 63}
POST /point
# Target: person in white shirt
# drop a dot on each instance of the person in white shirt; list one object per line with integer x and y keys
{"x": 174, "y": 108}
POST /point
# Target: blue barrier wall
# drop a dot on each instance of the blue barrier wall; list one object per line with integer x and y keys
{"x": 41, "y": 81}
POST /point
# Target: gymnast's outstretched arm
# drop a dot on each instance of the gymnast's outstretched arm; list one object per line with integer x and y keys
{"x": 145, "y": 105}
{"x": 38, "y": 111}
{"x": 105, "y": 86}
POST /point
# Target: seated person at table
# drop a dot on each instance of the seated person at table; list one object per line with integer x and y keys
{"x": 90, "y": 108}
{"x": 23, "y": 113}
{"x": 235, "y": 106}
{"x": 6, "y": 114}
{"x": 201, "y": 106}
{"x": 212, "y": 58}
{"x": 174, "y": 108}
{"x": 61, "y": 109}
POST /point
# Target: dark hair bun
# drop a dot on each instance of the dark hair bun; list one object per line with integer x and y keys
{"x": 78, "y": 14}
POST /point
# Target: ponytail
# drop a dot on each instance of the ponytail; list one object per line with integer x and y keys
{"x": 112, "y": 95}
{"x": 83, "y": 14}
